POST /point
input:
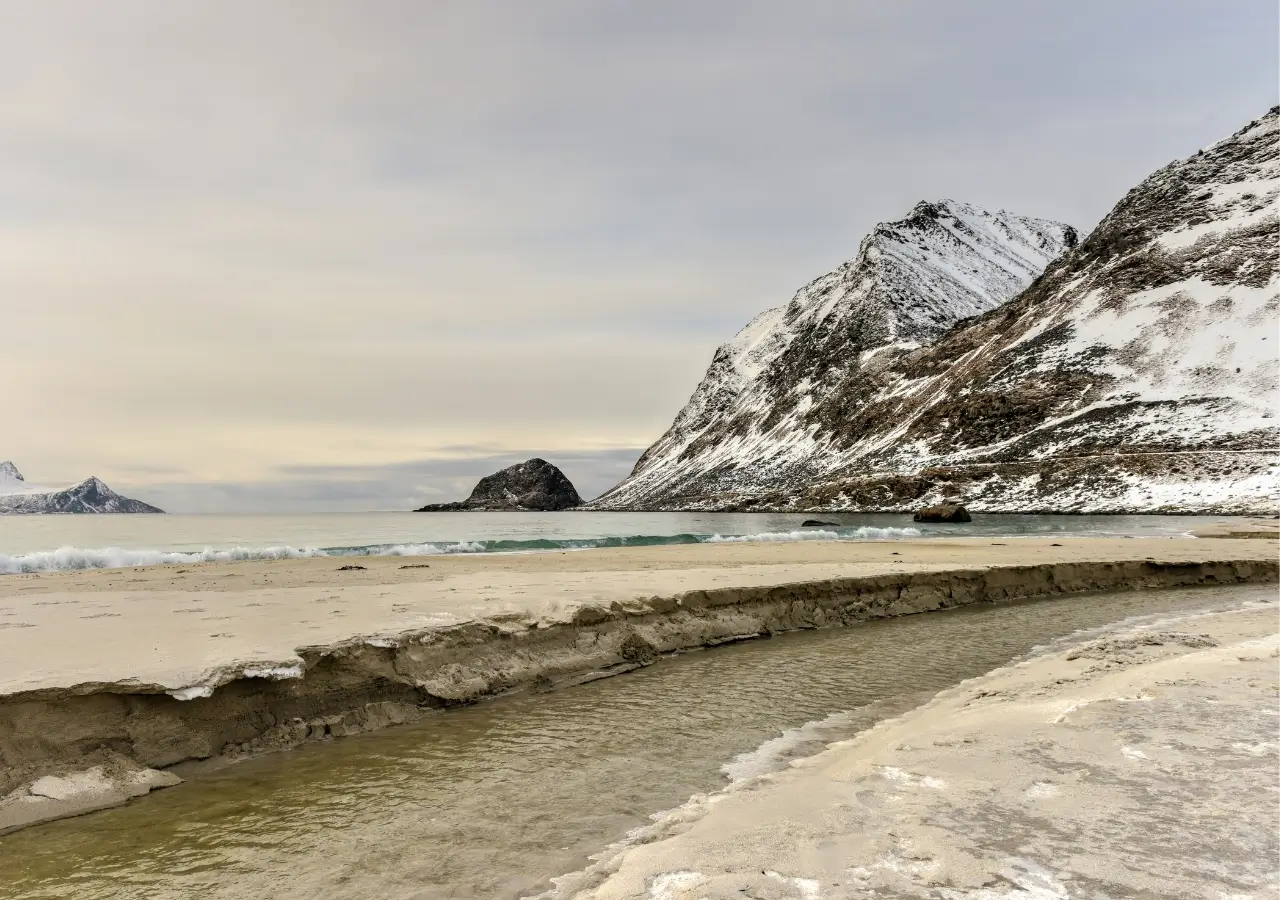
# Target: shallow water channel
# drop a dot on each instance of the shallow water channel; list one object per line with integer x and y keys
{"x": 491, "y": 800}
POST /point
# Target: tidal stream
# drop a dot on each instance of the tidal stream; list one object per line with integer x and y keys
{"x": 492, "y": 800}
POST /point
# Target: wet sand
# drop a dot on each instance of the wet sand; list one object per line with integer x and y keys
{"x": 1141, "y": 763}
{"x": 108, "y": 676}
{"x": 1242, "y": 528}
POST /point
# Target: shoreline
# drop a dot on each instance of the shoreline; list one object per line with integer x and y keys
{"x": 92, "y": 556}
{"x": 309, "y": 652}
{"x": 1138, "y": 761}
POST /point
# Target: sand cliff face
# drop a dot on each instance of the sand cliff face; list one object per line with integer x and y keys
{"x": 1139, "y": 373}
{"x": 125, "y": 727}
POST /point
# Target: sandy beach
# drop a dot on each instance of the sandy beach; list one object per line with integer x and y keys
{"x": 1138, "y": 764}
{"x": 113, "y": 682}
{"x": 172, "y": 627}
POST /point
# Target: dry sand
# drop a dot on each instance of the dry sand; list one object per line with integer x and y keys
{"x": 171, "y": 625}
{"x": 1140, "y": 764}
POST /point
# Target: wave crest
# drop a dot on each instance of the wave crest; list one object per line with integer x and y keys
{"x": 66, "y": 559}
{"x": 863, "y": 533}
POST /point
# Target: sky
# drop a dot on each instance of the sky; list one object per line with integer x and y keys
{"x": 320, "y": 255}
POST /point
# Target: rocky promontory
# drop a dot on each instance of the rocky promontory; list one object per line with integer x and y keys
{"x": 533, "y": 485}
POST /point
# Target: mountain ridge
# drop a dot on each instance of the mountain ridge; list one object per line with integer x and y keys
{"x": 1133, "y": 375}
{"x": 910, "y": 281}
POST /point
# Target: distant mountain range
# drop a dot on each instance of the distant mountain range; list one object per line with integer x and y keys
{"x": 996, "y": 359}
{"x": 18, "y": 497}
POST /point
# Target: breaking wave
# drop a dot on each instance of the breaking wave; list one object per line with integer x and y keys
{"x": 76, "y": 558}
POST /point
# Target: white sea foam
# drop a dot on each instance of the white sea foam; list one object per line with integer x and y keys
{"x": 73, "y": 558}
{"x": 76, "y": 558}
{"x": 864, "y": 533}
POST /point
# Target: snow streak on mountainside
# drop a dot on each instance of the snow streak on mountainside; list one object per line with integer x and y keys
{"x": 1140, "y": 373}
{"x": 18, "y": 497}
{"x": 759, "y": 415}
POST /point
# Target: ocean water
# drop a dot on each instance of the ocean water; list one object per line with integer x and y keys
{"x": 50, "y": 543}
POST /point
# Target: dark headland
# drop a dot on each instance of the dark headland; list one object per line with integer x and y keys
{"x": 534, "y": 485}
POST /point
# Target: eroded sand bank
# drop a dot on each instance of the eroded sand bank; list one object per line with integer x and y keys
{"x": 107, "y": 676}
{"x": 1139, "y": 764}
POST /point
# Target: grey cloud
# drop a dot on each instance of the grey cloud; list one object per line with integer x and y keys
{"x": 239, "y": 235}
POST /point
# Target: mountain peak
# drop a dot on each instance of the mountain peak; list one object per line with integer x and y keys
{"x": 92, "y": 495}
{"x": 911, "y": 281}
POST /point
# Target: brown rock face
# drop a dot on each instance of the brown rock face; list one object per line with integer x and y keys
{"x": 943, "y": 512}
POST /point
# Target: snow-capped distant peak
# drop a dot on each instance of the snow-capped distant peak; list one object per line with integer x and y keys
{"x": 18, "y": 496}
{"x": 13, "y": 484}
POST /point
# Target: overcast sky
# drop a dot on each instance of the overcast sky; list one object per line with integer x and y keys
{"x": 353, "y": 255}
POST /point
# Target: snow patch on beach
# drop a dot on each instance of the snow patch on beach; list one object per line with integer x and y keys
{"x": 774, "y": 754}
{"x": 807, "y": 887}
{"x": 1030, "y": 881}
{"x": 902, "y": 776}
{"x": 670, "y": 885}
{"x": 215, "y": 679}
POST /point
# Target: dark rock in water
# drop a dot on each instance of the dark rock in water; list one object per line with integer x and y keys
{"x": 943, "y": 512}
{"x": 534, "y": 485}
{"x": 817, "y": 523}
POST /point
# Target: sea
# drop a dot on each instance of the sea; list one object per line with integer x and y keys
{"x": 46, "y": 543}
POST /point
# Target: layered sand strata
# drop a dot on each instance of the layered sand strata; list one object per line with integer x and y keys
{"x": 108, "y": 676}
{"x": 1139, "y": 764}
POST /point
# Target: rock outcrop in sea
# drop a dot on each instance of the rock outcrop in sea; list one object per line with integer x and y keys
{"x": 533, "y": 485}
{"x": 1138, "y": 373}
{"x": 18, "y": 497}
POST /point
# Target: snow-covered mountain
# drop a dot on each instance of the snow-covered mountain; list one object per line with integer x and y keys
{"x": 1140, "y": 373}
{"x": 759, "y": 416}
{"x": 17, "y": 496}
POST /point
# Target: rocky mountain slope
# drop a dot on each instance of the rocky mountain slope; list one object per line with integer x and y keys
{"x": 18, "y": 497}
{"x": 1139, "y": 373}
{"x": 534, "y": 484}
